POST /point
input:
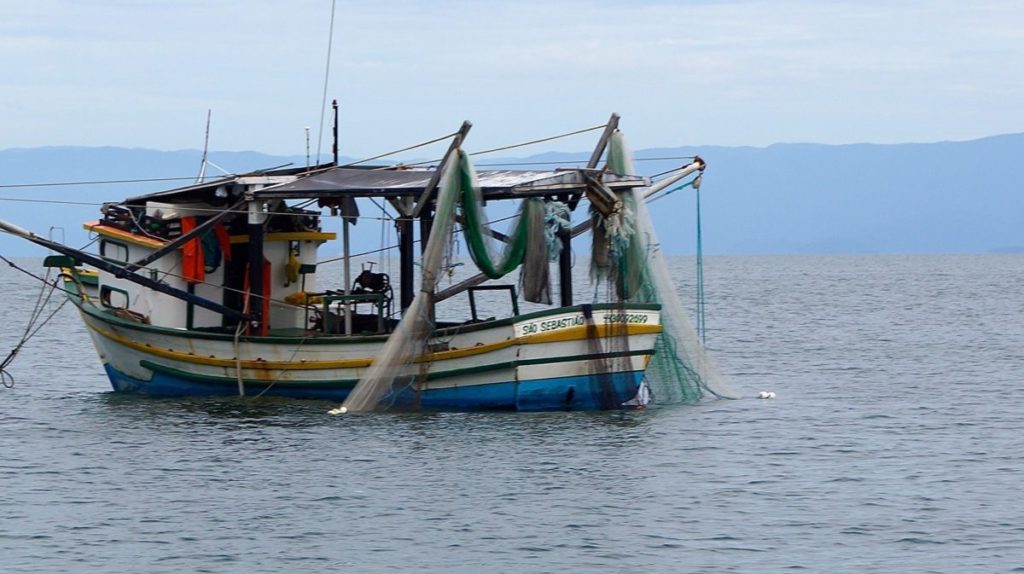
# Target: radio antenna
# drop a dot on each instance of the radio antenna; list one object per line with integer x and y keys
{"x": 206, "y": 149}
{"x": 327, "y": 74}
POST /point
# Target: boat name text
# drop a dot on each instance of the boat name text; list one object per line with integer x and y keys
{"x": 578, "y": 320}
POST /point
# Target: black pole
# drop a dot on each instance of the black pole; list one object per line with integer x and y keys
{"x": 426, "y": 222}
{"x": 255, "y": 267}
{"x": 565, "y": 263}
{"x": 405, "y": 251}
{"x": 334, "y": 148}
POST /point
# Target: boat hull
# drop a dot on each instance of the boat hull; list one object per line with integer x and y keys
{"x": 558, "y": 393}
{"x": 555, "y": 360}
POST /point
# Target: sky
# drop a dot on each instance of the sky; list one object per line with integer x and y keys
{"x": 142, "y": 73}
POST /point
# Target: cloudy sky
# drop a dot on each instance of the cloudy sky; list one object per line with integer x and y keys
{"x": 142, "y": 73}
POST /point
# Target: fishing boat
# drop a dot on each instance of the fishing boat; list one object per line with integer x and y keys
{"x": 213, "y": 288}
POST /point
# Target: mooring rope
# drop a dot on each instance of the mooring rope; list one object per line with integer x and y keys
{"x": 6, "y": 378}
{"x": 701, "y": 326}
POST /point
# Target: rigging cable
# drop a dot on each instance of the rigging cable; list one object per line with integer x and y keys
{"x": 701, "y": 326}
{"x": 6, "y": 378}
{"x": 518, "y": 145}
{"x": 412, "y": 147}
{"x": 95, "y": 182}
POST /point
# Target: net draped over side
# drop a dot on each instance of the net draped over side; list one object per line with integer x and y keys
{"x": 626, "y": 254}
{"x": 681, "y": 369}
{"x": 479, "y": 238}
{"x": 393, "y": 372}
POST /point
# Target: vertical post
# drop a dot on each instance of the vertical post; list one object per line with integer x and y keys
{"x": 405, "y": 252}
{"x": 257, "y": 217}
{"x": 345, "y": 245}
{"x": 565, "y": 262}
{"x": 348, "y": 273}
{"x": 426, "y": 222}
{"x": 334, "y": 147}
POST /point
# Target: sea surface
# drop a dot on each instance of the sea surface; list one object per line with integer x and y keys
{"x": 895, "y": 444}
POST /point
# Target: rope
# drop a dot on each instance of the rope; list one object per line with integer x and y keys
{"x": 282, "y": 371}
{"x": 577, "y": 162}
{"x": 513, "y": 146}
{"x": 95, "y": 182}
{"x": 54, "y": 201}
{"x": 673, "y": 190}
{"x": 390, "y": 247}
{"x": 34, "y": 276}
{"x": 195, "y": 209}
{"x": 701, "y": 329}
{"x": 238, "y": 356}
{"x": 412, "y": 147}
{"x": 542, "y": 140}
{"x": 31, "y": 329}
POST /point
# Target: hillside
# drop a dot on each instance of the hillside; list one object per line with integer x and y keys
{"x": 947, "y": 197}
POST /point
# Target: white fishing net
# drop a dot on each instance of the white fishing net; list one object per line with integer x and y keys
{"x": 681, "y": 368}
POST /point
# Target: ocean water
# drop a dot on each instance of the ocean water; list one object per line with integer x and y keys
{"x": 895, "y": 443}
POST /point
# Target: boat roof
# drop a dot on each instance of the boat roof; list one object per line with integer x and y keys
{"x": 224, "y": 187}
{"x": 340, "y": 182}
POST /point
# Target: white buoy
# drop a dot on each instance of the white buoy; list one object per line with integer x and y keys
{"x": 338, "y": 411}
{"x": 766, "y": 395}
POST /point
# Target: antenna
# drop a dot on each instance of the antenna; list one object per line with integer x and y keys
{"x": 307, "y": 148}
{"x": 327, "y": 75}
{"x": 206, "y": 148}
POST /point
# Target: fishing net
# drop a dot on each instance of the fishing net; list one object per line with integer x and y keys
{"x": 681, "y": 369}
{"x": 393, "y": 371}
{"x": 526, "y": 245}
{"x": 627, "y": 258}
{"x": 479, "y": 237}
{"x": 535, "y": 275}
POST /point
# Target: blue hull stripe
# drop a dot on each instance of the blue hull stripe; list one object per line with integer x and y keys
{"x": 563, "y": 393}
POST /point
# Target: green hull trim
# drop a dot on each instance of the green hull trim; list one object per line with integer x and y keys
{"x": 349, "y": 383}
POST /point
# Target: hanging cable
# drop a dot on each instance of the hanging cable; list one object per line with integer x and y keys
{"x": 95, "y": 182}
{"x": 6, "y": 378}
{"x": 412, "y": 147}
{"x": 693, "y": 182}
{"x": 513, "y": 146}
{"x": 701, "y": 329}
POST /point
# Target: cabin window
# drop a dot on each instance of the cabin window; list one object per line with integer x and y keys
{"x": 114, "y": 251}
{"x": 113, "y": 297}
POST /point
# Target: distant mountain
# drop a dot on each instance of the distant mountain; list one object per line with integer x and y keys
{"x": 947, "y": 197}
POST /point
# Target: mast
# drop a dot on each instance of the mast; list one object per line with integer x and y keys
{"x": 206, "y": 147}
{"x": 345, "y": 246}
{"x": 405, "y": 253}
{"x": 257, "y": 217}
